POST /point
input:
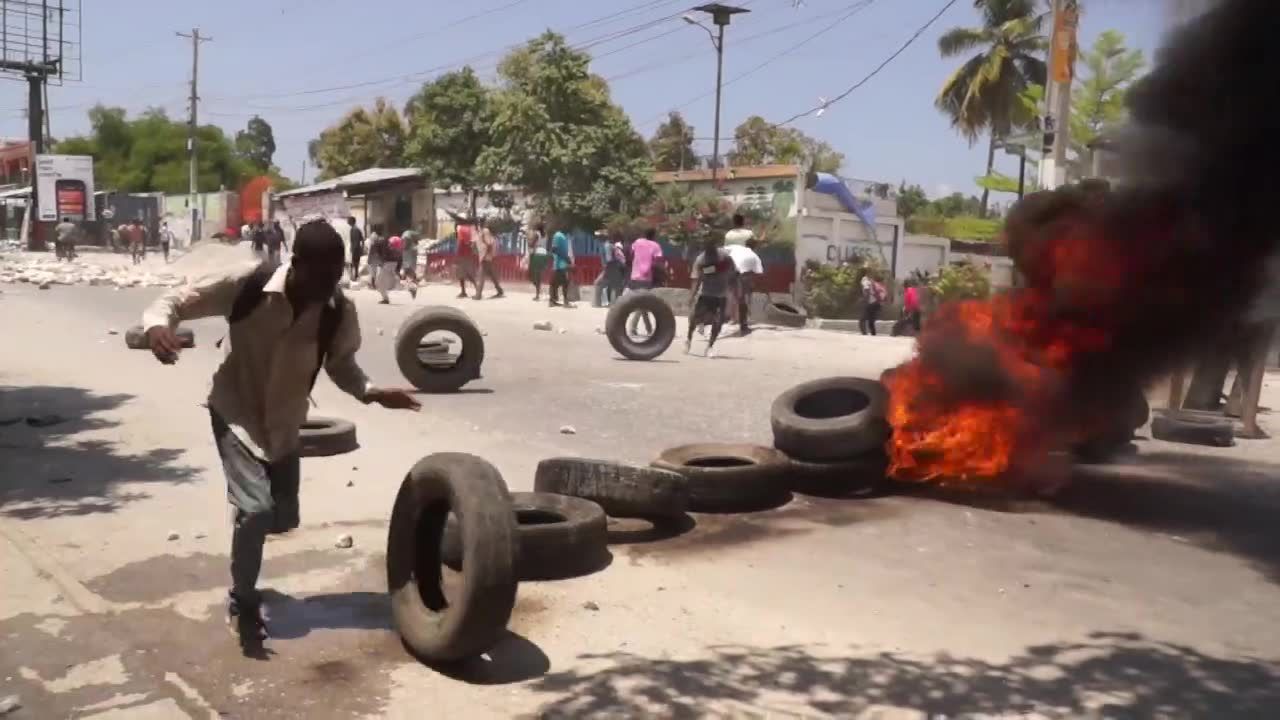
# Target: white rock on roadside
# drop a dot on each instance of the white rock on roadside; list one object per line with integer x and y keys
{"x": 563, "y": 331}
{"x": 9, "y": 703}
{"x": 343, "y": 542}
{"x": 568, "y": 430}
{"x": 544, "y": 325}
{"x": 173, "y": 536}
{"x": 112, "y": 331}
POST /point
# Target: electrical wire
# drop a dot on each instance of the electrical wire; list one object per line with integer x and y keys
{"x": 914, "y": 36}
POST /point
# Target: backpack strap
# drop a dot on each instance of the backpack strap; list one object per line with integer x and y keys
{"x": 249, "y": 297}
{"x": 330, "y": 318}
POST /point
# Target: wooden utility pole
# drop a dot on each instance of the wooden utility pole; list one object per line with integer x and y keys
{"x": 196, "y": 39}
{"x": 1062, "y": 57}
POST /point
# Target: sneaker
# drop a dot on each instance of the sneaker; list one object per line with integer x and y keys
{"x": 553, "y": 303}
{"x": 246, "y": 622}
{"x": 498, "y": 295}
{"x": 569, "y": 306}
{"x": 462, "y": 295}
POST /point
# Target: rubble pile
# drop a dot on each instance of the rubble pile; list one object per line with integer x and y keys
{"x": 43, "y": 269}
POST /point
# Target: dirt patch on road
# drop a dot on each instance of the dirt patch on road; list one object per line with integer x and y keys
{"x": 163, "y": 576}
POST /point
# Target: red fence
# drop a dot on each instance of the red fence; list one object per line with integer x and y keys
{"x": 777, "y": 277}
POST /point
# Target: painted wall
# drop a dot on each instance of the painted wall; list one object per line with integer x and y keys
{"x": 218, "y": 211}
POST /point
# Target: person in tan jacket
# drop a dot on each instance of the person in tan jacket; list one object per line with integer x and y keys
{"x": 285, "y": 323}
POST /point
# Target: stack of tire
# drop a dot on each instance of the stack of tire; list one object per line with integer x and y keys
{"x": 833, "y": 433}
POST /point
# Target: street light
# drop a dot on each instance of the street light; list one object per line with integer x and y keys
{"x": 720, "y": 15}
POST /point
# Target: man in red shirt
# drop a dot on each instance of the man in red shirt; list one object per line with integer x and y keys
{"x": 911, "y": 305}
{"x": 465, "y": 263}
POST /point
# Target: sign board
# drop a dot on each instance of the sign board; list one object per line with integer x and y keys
{"x": 64, "y": 187}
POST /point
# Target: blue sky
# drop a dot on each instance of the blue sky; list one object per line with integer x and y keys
{"x": 277, "y": 58}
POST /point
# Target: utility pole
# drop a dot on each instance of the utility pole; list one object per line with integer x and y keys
{"x": 720, "y": 16}
{"x": 196, "y": 39}
{"x": 1062, "y": 57}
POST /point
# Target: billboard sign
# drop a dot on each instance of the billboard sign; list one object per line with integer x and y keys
{"x": 64, "y": 187}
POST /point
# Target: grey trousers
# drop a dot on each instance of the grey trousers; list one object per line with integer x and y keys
{"x": 265, "y": 498}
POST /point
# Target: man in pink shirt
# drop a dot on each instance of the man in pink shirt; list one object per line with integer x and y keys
{"x": 646, "y": 255}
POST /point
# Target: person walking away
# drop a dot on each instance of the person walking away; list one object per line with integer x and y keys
{"x": 285, "y": 324}
{"x": 64, "y": 239}
{"x": 465, "y": 259}
{"x": 873, "y": 294}
{"x": 246, "y": 231}
{"x": 562, "y": 262}
{"x": 382, "y": 265}
{"x": 739, "y": 234}
{"x": 377, "y": 244}
{"x": 615, "y": 270}
{"x": 409, "y": 261}
{"x": 911, "y": 306}
{"x": 166, "y": 239}
{"x": 646, "y": 254}
{"x": 486, "y": 251}
{"x": 538, "y": 259}
{"x": 747, "y": 268}
{"x": 115, "y": 241}
{"x": 356, "y": 241}
{"x": 275, "y": 242}
{"x": 137, "y": 242}
{"x": 259, "y": 241}
{"x": 711, "y": 271}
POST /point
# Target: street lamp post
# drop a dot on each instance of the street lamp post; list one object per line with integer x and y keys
{"x": 720, "y": 15}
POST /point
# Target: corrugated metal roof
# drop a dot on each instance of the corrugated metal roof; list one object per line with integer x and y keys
{"x": 363, "y": 177}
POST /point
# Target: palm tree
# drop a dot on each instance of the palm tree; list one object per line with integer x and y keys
{"x": 983, "y": 93}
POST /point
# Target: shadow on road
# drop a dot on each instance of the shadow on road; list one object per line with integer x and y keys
{"x": 46, "y": 471}
{"x": 1109, "y": 675}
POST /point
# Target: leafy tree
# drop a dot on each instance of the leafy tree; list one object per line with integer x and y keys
{"x": 450, "y": 124}
{"x": 911, "y": 199}
{"x": 1098, "y": 101}
{"x": 759, "y": 142}
{"x": 983, "y": 94}
{"x": 149, "y": 153}
{"x": 558, "y": 135}
{"x": 363, "y": 138}
{"x": 256, "y": 144}
{"x": 672, "y": 144}
{"x": 961, "y": 281}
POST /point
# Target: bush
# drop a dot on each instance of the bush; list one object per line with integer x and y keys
{"x": 835, "y": 291}
{"x": 964, "y": 227}
{"x": 962, "y": 281}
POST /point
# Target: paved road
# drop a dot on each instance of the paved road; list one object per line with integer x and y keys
{"x": 1148, "y": 590}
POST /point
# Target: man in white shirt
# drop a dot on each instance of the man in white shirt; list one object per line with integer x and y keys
{"x": 285, "y": 322}
{"x": 747, "y": 269}
{"x": 740, "y": 234}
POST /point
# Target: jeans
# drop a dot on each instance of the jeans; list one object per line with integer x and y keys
{"x": 867, "y": 324}
{"x": 487, "y": 271}
{"x": 265, "y": 497}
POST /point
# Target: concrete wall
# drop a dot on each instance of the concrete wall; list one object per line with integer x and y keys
{"x": 925, "y": 253}
{"x": 831, "y": 237}
{"x": 218, "y": 211}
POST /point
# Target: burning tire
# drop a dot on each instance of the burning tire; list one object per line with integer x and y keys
{"x": 324, "y": 436}
{"x": 658, "y": 340}
{"x": 621, "y": 489}
{"x": 863, "y": 476}
{"x": 784, "y": 314}
{"x": 557, "y": 537}
{"x": 831, "y": 419}
{"x": 726, "y": 477}
{"x": 1192, "y": 428}
{"x": 469, "y": 622}
{"x": 429, "y": 365}
{"x": 135, "y": 338}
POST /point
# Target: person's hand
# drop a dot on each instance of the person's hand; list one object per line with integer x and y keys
{"x": 393, "y": 399}
{"x": 164, "y": 344}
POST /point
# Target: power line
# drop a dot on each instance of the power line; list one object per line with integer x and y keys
{"x": 914, "y": 36}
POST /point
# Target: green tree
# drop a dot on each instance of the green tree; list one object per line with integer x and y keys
{"x": 363, "y": 138}
{"x": 672, "y": 144}
{"x": 911, "y": 199}
{"x": 256, "y": 144}
{"x": 558, "y": 135}
{"x": 149, "y": 153}
{"x": 757, "y": 141}
{"x": 1098, "y": 101}
{"x": 450, "y": 124}
{"x": 983, "y": 94}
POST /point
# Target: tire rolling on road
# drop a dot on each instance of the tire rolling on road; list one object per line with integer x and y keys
{"x": 429, "y": 366}
{"x": 830, "y": 419}
{"x": 324, "y": 436}
{"x": 784, "y": 314}
{"x": 473, "y": 618}
{"x": 558, "y": 537}
{"x": 729, "y": 477}
{"x": 621, "y": 489}
{"x": 1193, "y": 428}
{"x": 664, "y": 330}
{"x": 135, "y": 338}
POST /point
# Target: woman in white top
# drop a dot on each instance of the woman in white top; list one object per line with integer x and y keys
{"x": 538, "y": 259}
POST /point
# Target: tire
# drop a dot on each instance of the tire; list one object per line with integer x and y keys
{"x": 557, "y": 537}
{"x": 784, "y": 314}
{"x": 727, "y": 477}
{"x": 473, "y": 620}
{"x": 664, "y": 332}
{"x": 436, "y": 377}
{"x": 621, "y": 489}
{"x": 324, "y": 436}
{"x": 1192, "y": 428}
{"x": 862, "y": 476}
{"x": 830, "y": 419}
{"x": 135, "y": 338}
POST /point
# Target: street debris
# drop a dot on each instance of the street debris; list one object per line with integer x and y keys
{"x": 543, "y": 325}
{"x": 351, "y": 483}
{"x": 9, "y": 703}
{"x": 568, "y": 430}
{"x": 112, "y": 331}
{"x": 563, "y": 331}
{"x": 344, "y": 541}
{"x": 589, "y": 605}
{"x": 173, "y": 535}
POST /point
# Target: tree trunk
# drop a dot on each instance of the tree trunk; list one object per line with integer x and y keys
{"x": 991, "y": 163}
